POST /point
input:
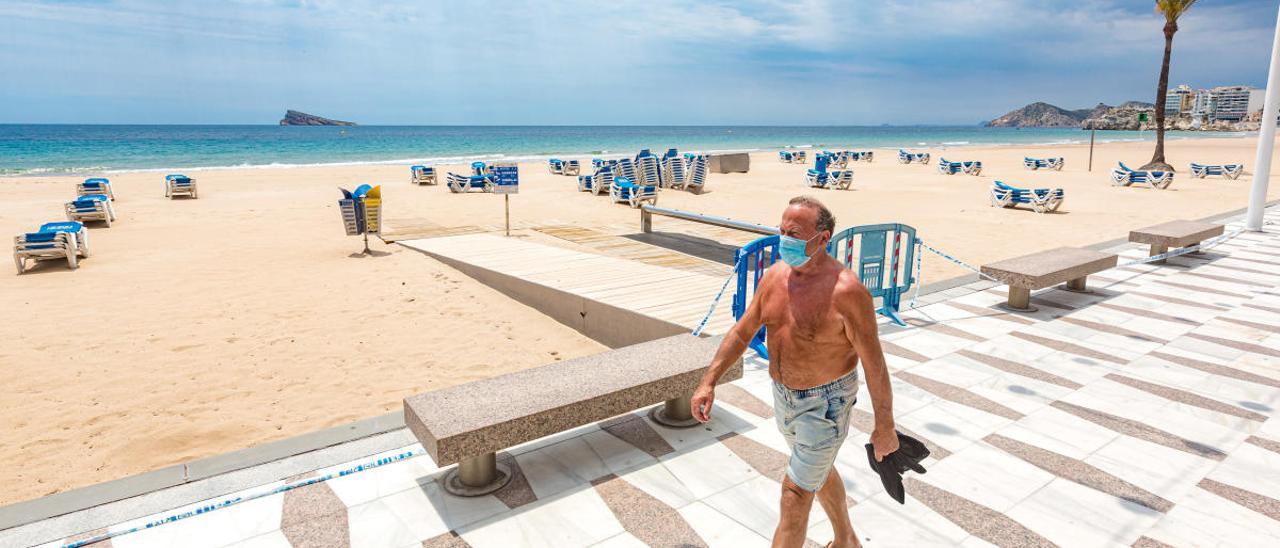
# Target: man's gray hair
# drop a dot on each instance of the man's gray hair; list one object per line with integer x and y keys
{"x": 826, "y": 221}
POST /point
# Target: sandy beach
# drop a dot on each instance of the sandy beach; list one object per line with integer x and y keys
{"x": 246, "y": 316}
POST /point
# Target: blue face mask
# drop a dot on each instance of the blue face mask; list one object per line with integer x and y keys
{"x": 793, "y": 250}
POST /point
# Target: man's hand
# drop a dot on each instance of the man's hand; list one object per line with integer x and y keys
{"x": 883, "y": 441}
{"x": 702, "y": 400}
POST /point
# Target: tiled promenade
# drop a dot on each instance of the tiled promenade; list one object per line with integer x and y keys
{"x": 1140, "y": 414}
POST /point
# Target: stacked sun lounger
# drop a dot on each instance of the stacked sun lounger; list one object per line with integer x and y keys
{"x": 1125, "y": 176}
{"x": 648, "y": 169}
{"x": 820, "y": 177}
{"x": 860, "y": 156}
{"x": 91, "y": 207}
{"x": 624, "y": 190}
{"x": 696, "y": 176}
{"x": 95, "y": 185}
{"x": 1042, "y": 200}
{"x": 179, "y": 185}
{"x": 599, "y": 182}
{"x": 467, "y": 183}
{"x": 556, "y": 166}
{"x": 422, "y": 175}
{"x": 905, "y": 157}
{"x": 673, "y": 172}
{"x": 952, "y": 168}
{"x": 1043, "y": 163}
{"x": 1226, "y": 171}
{"x": 62, "y": 241}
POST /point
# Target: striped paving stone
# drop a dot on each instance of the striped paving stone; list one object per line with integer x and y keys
{"x": 1237, "y": 345}
{"x": 1139, "y": 430}
{"x": 1216, "y": 369}
{"x": 1079, "y": 472}
{"x": 1073, "y": 348}
{"x": 1261, "y": 504}
{"x": 1187, "y": 397}
{"x": 980, "y": 521}
{"x": 959, "y": 395}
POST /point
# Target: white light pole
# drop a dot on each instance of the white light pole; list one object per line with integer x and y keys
{"x": 1266, "y": 138}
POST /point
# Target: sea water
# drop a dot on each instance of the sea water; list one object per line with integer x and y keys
{"x": 84, "y": 149}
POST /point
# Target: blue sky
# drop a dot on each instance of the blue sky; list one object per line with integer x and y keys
{"x": 604, "y": 62}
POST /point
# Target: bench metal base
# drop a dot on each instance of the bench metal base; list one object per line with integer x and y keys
{"x": 674, "y": 413}
{"x": 477, "y": 476}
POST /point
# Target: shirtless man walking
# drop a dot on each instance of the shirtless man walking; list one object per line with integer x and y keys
{"x": 820, "y": 321}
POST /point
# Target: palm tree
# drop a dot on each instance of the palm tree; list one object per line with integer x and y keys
{"x": 1172, "y": 10}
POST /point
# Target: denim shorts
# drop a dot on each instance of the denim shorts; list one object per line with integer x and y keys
{"x": 814, "y": 422}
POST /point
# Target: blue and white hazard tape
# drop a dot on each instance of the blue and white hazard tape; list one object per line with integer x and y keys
{"x": 237, "y": 500}
{"x": 962, "y": 264}
{"x": 703, "y": 324}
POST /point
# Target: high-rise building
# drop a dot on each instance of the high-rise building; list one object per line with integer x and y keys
{"x": 1231, "y": 102}
{"x": 1178, "y": 100}
{"x": 1202, "y": 106}
{"x": 1256, "y": 98}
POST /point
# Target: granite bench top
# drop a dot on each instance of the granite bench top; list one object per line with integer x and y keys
{"x": 1049, "y": 268}
{"x": 489, "y": 415}
{"x": 1175, "y": 233}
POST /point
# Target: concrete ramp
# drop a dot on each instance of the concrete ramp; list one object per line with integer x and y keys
{"x": 614, "y": 301}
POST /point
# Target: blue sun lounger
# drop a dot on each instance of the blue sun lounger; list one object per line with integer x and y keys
{"x": 786, "y": 156}
{"x": 905, "y": 157}
{"x": 673, "y": 171}
{"x": 597, "y": 183}
{"x": 860, "y": 156}
{"x": 1043, "y": 163}
{"x": 179, "y": 185}
{"x": 1124, "y": 176}
{"x": 479, "y": 169}
{"x": 556, "y": 166}
{"x": 1226, "y": 171}
{"x": 422, "y": 175}
{"x": 62, "y": 240}
{"x": 1042, "y": 200}
{"x": 91, "y": 207}
{"x": 952, "y": 168}
{"x": 648, "y": 169}
{"x": 696, "y": 176}
{"x": 571, "y": 168}
{"x": 819, "y": 177}
{"x": 95, "y": 185}
{"x": 467, "y": 183}
{"x": 623, "y": 190}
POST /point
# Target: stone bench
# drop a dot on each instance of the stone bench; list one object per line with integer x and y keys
{"x": 1045, "y": 269}
{"x": 469, "y": 423}
{"x": 1174, "y": 234}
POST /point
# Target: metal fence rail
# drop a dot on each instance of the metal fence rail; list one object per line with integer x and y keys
{"x": 648, "y": 211}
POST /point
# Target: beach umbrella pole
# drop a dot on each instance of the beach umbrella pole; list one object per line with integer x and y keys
{"x": 1266, "y": 138}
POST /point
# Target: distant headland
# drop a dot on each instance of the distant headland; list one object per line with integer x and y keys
{"x": 1130, "y": 116}
{"x": 295, "y": 118}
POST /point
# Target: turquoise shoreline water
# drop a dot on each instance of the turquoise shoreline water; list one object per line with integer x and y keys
{"x": 80, "y": 149}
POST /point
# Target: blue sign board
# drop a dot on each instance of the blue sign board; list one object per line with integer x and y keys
{"x": 506, "y": 179}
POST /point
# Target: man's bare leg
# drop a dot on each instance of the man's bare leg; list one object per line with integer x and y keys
{"x": 793, "y": 519}
{"x": 832, "y": 498}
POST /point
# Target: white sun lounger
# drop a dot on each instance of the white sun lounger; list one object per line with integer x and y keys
{"x": 179, "y": 185}
{"x": 91, "y": 207}
{"x": 422, "y": 175}
{"x": 95, "y": 185}
{"x": 1226, "y": 171}
{"x": 63, "y": 240}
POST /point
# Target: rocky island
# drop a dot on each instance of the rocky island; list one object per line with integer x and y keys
{"x": 295, "y": 118}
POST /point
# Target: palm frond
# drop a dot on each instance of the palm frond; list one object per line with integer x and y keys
{"x": 1173, "y": 9}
